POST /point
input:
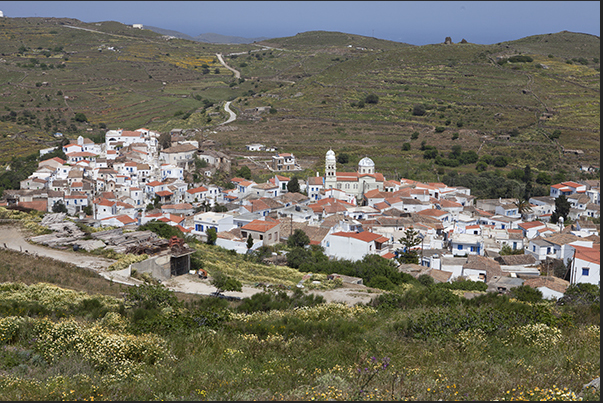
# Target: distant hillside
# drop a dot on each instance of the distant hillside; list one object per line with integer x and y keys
{"x": 217, "y": 38}
{"x": 169, "y": 32}
{"x": 533, "y": 101}
{"x": 206, "y": 38}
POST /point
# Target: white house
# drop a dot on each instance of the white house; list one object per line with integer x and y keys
{"x": 179, "y": 154}
{"x": 353, "y": 245}
{"x": 171, "y": 171}
{"x": 254, "y": 147}
{"x": 221, "y": 222}
{"x": 75, "y": 202}
{"x": 566, "y": 188}
{"x": 530, "y": 229}
{"x": 586, "y": 265}
{"x": 315, "y": 185}
{"x": 466, "y": 244}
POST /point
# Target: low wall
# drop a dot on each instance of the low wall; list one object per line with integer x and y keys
{"x": 158, "y": 267}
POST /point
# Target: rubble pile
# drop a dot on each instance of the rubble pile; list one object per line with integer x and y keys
{"x": 65, "y": 232}
{"x": 120, "y": 242}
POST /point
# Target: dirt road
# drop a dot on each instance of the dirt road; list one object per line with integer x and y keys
{"x": 12, "y": 237}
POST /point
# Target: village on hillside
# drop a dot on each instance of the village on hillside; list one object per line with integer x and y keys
{"x": 129, "y": 180}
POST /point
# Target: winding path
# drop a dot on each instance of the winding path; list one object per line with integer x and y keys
{"x": 232, "y": 117}
{"x": 236, "y": 72}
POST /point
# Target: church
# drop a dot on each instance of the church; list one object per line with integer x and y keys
{"x": 354, "y": 183}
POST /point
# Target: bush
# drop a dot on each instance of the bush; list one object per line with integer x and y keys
{"x": 500, "y": 161}
{"x": 430, "y": 153}
{"x": 439, "y": 129}
{"x": 581, "y": 293}
{"x": 526, "y": 293}
{"x": 419, "y": 110}
{"x": 414, "y": 136}
{"x": 381, "y": 282}
{"x": 371, "y": 99}
{"x": 80, "y": 117}
{"x": 406, "y": 147}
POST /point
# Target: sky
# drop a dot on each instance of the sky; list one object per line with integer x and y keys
{"x": 412, "y": 22}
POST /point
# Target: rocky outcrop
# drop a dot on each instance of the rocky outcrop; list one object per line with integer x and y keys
{"x": 464, "y": 41}
{"x": 448, "y": 41}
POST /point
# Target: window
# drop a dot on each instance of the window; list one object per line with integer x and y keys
{"x": 585, "y": 271}
{"x": 460, "y": 247}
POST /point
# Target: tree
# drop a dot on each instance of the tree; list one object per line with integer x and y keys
{"x": 249, "y": 242}
{"x": 456, "y": 151}
{"x": 543, "y": 178}
{"x": 343, "y": 158}
{"x": 80, "y": 117}
{"x": 293, "y": 186}
{"x": 523, "y": 206}
{"x": 59, "y": 207}
{"x": 499, "y": 161}
{"x": 165, "y": 140}
{"x": 430, "y": 153}
{"x": 212, "y": 235}
{"x": 298, "y": 238}
{"x": 562, "y": 208}
{"x": 222, "y": 282}
{"x": 411, "y": 239}
{"x": 244, "y": 172}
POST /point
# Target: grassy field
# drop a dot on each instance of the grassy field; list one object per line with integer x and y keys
{"x": 83, "y": 341}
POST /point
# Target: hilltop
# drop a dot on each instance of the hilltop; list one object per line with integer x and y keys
{"x": 485, "y": 98}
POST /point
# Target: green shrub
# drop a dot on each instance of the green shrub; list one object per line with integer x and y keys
{"x": 419, "y": 110}
{"x": 526, "y": 293}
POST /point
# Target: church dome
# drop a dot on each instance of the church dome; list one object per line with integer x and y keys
{"x": 366, "y": 162}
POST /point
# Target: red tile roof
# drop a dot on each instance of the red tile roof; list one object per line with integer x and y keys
{"x": 432, "y": 212}
{"x": 197, "y": 190}
{"x": 364, "y": 236}
{"x": 592, "y": 255}
{"x": 259, "y": 226}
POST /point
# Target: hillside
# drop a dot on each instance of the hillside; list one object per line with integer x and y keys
{"x": 121, "y": 77}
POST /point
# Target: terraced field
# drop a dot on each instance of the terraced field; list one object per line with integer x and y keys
{"x": 128, "y": 78}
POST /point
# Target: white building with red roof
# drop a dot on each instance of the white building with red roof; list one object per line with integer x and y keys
{"x": 118, "y": 221}
{"x": 566, "y": 188}
{"x": 284, "y": 162}
{"x": 354, "y": 245}
{"x": 586, "y": 265}
{"x": 265, "y": 231}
